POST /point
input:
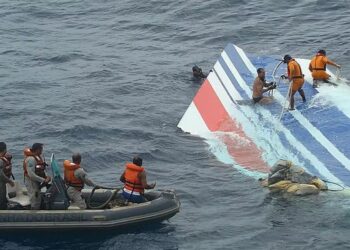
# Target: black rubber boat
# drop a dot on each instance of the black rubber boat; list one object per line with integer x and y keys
{"x": 107, "y": 210}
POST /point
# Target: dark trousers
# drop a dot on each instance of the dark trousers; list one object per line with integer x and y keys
{"x": 3, "y": 199}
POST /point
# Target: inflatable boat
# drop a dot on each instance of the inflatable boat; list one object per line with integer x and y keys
{"x": 252, "y": 138}
{"x": 106, "y": 209}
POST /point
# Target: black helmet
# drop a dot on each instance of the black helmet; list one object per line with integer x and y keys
{"x": 195, "y": 68}
{"x": 2, "y": 147}
{"x": 286, "y": 58}
{"x": 37, "y": 146}
{"x": 322, "y": 51}
{"x": 137, "y": 161}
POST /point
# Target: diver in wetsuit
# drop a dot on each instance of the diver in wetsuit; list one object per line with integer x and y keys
{"x": 198, "y": 73}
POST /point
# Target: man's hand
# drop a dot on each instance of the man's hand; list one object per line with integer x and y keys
{"x": 284, "y": 77}
{"x": 12, "y": 183}
{"x": 273, "y": 86}
{"x": 151, "y": 186}
{"x": 338, "y": 66}
{"x": 47, "y": 179}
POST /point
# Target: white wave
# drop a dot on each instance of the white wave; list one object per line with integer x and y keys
{"x": 330, "y": 95}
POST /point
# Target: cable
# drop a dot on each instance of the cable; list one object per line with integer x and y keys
{"x": 275, "y": 69}
{"x": 112, "y": 196}
{"x": 337, "y": 184}
{"x": 285, "y": 101}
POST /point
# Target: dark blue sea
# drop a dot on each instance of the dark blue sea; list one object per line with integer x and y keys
{"x": 112, "y": 79}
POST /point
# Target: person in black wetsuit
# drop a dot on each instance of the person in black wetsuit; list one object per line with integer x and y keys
{"x": 198, "y": 73}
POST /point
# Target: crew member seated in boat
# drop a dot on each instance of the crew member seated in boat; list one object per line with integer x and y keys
{"x": 135, "y": 182}
{"x": 296, "y": 77}
{"x": 5, "y": 174}
{"x": 35, "y": 176}
{"x": 75, "y": 177}
{"x": 318, "y": 65}
{"x": 292, "y": 179}
{"x": 198, "y": 73}
{"x": 260, "y": 86}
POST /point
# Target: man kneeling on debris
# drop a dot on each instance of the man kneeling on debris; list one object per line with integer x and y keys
{"x": 292, "y": 179}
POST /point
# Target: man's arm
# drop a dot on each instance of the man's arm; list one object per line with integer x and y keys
{"x": 82, "y": 175}
{"x": 310, "y": 67}
{"x": 291, "y": 71}
{"x": 122, "y": 177}
{"x": 3, "y": 177}
{"x": 326, "y": 60}
{"x": 31, "y": 164}
{"x": 144, "y": 183}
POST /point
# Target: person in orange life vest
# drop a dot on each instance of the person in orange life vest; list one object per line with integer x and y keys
{"x": 75, "y": 177}
{"x": 295, "y": 75}
{"x": 34, "y": 174}
{"x": 318, "y": 65}
{"x": 135, "y": 182}
{"x": 5, "y": 174}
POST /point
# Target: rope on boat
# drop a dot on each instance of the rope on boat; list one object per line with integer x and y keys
{"x": 112, "y": 196}
{"x": 337, "y": 184}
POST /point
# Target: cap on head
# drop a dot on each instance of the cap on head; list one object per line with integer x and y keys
{"x": 2, "y": 147}
{"x": 195, "y": 68}
{"x": 286, "y": 58}
{"x": 37, "y": 146}
{"x": 137, "y": 161}
{"x": 76, "y": 158}
{"x": 322, "y": 51}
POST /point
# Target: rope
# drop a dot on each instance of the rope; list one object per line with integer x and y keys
{"x": 270, "y": 92}
{"x": 112, "y": 196}
{"x": 285, "y": 101}
{"x": 273, "y": 76}
{"x": 337, "y": 184}
{"x": 275, "y": 69}
{"x": 278, "y": 83}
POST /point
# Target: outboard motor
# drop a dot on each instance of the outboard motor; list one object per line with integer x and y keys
{"x": 56, "y": 197}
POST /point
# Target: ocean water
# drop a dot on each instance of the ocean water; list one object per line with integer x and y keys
{"x": 111, "y": 79}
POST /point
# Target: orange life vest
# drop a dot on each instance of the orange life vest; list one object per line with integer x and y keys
{"x": 297, "y": 69}
{"x": 317, "y": 62}
{"x": 69, "y": 177}
{"x": 40, "y": 164}
{"x": 7, "y": 166}
{"x": 132, "y": 179}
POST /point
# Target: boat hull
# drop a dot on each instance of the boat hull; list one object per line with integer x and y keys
{"x": 164, "y": 207}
